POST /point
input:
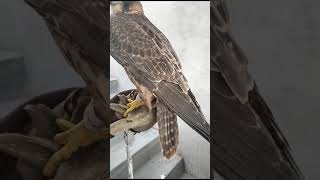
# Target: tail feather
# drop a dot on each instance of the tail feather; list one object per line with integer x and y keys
{"x": 168, "y": 130}
{"x": 185, "y": 106}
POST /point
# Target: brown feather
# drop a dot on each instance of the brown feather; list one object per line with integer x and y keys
{"x": 168, "y": 130}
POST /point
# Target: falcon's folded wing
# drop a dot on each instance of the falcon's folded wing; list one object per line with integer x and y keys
{"x": 248, "y": 143}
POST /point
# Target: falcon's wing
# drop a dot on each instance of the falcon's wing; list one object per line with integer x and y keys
{"x": 227, "y": 59}
{"x": 248, "y": 142}
{"x": 144, "y": 49}
{"x": 148, "y": 56}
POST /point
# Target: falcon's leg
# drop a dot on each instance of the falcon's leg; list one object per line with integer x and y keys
{"x": 134, "y": 104}
{"x": 146, "y": 97}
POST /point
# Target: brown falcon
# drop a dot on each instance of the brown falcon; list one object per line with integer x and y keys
{"x": 248, "y": 144}
{"x": 154, "y": 68}
{"x": 80, "y": 28}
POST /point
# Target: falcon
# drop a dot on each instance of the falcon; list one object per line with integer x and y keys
{"x": 248, "y": 144}
{"x": 154, "y": 68}
{"x": 80, "y": 29}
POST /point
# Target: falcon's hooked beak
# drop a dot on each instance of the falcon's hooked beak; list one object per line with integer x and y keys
{"x": 129, "y": 7}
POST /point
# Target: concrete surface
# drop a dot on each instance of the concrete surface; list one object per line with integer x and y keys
{"x": 157, "y": 167}
{"x": 148, "y": 161}
{"x": 145, "y": 146}
{"x": 186, "y": 176}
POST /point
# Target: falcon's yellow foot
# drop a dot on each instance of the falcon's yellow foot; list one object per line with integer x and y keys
{"x": 73, "y": 137}
{"x": 132, "y": 105}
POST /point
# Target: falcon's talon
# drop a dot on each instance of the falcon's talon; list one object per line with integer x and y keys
{"x": 134, "y": 104}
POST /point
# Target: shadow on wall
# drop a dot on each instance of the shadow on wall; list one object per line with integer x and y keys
{"x": 25, "y": 33}
{"x": 41, "y": 67}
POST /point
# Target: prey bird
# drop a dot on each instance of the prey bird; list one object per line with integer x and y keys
{"x": 248, "y": 144}
{"x": 154, "y": 68}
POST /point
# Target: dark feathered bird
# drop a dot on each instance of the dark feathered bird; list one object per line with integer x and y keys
{"x": 248, "y": 144}
{"x": 154, "y": 68}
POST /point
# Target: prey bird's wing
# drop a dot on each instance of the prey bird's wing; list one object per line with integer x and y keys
{"x": 149, "y": 59}
{"x": 248, "y": 142}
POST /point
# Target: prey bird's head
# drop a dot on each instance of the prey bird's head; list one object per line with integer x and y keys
{"x": 128, "y": 7}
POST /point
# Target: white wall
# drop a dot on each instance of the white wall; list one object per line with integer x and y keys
{"x": 186, "y": 25}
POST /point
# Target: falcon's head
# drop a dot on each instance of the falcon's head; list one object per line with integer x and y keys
{"x": 129, "y": 7}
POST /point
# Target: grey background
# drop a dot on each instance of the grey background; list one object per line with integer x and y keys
{"x": 23, "y": 32}
{"x": 281, "y": 40}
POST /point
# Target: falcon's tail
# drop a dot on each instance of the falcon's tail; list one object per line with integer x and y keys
{"x": 168, "y": 130}
{"x": 185, "y": 105}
